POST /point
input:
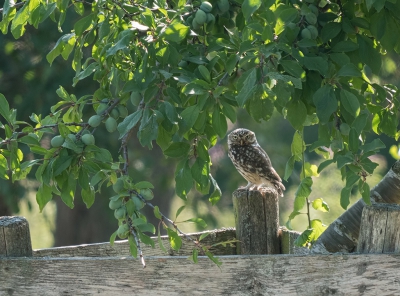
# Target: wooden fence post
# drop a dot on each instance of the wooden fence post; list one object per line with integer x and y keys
{"x": 379, "y": 231}
{"x": 15, "y": 238}
{"x": 257, "y": 221}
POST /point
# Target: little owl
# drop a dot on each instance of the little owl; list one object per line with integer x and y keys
{"x": 252, "y": 161}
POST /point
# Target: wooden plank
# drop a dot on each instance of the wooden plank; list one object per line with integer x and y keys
{"x": 369, "y": 274}
{"x": 121, "y": 248}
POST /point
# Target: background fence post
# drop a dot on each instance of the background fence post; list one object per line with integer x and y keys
{"x": 379, "y": 231}
{"x": 257, "y": 221}
{"x": 15, "y": 238}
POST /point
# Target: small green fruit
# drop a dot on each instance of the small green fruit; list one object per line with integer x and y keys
{"x": 305, "y": 33}
{"x": 123, "y": 112}
{"x": 94, "y": 121}
{"x": 114, "y": 113}
{"x": 223, "y": 5}
{"x": 206, "y": 6}
{"x": 147, "y": 194}
{"x": 210, "y": 18}
{"x": 123, "y": 231}
{"x": 120, "y": 213}
{"x": 88, "y": 139}
{"x": 136, "y": 98}
{"x": 57, "y": 141}
{"x": 200, "y": 17}
{"x": 195, "y": 24}
{"x": 118, "y": 186}
{"x": 111, "y": 124}
{"x": 311, "y": 18}
{"x": 313, "y": 30}
{"x": 101, "y": 108}
{"x": 115, "y": 204}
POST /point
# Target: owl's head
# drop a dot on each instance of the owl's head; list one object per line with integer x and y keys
{"x": 241, "y": 136}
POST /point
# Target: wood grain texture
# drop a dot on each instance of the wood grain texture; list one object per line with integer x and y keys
{"x": 121, "y": 248}
{"x": 257, "y": 221}
{"x": 348, "y": 274}
{"x": 15, "y": 238}
{"x": 379, "y": 231}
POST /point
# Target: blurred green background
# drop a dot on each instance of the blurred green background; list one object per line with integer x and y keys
{"x": 29, "y": 83}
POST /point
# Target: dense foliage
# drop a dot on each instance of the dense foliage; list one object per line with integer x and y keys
{"x": 175, "y": 72}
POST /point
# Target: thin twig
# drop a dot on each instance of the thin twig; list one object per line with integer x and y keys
{"x": 133, "y": 231}
{"x": 165, "y": 218}
{"x": 222, "y": 79}
{"x": 16, "y": 5}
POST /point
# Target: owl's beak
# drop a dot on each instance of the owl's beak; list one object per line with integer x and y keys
{"x": 241, "y": 142}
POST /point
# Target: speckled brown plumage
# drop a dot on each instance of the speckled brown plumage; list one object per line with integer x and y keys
{"x": 251, "y": 161}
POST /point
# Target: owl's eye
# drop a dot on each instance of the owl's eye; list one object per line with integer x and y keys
{"x": 248, "y": 137}
{"x": 234, "y": 137}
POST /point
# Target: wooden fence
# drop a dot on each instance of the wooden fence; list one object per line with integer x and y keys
{"x": 103, "y": 269}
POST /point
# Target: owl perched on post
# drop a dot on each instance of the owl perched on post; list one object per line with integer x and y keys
{"x": 252, "y": 161}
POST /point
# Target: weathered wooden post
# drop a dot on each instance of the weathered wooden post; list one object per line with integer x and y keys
{"x": 257, "y": 221}
{"x": 15, "y": 238}
{"x": 379, "y": 231}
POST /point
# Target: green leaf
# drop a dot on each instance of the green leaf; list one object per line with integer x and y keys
{"x": 113, "y": 237}
{"x": 195, "y": 253}
{"x": 204, "y": 72}
{"x": 148, "y": 131}
{"x": 320, "y": 205}
{"x": 213, "y": 259}
{"x": 293, "y": 68}
{"x": 174, "y": 240}
{"x": 324, "y": 164}
{"x": 132, "y": 246}
{"x": 143, "y": 185}
{"x": 316, "y": 63}
{"x": 83, "y": 24}
{"x": 298, "y": 146}
{"x": 129, "y": 122}
{"x": 217, "y": 193}
{"x": 61, "y": 164}
{"x": 200, "y": 171}
{"x": 249, "y": 7}
{"x": 157, "y": 212}
{"x": 296, "y": 113}
{"x": 360, "y": 122}
{"x": 366, "y": 193}
{"x": 247, "y": 88}
{"x": 200, "y": 222}
{"x": 4, "y": 108}
{"x": 160, "y": 243}
{"x": 351, "y": 179}
{"x": 375, "y": 145}
{"x": 189, "y": 117}
{"x": 125, "y": 37}
{"x": 345, "y": 46}
{"x": 184, "y": 181}
{"x": 68, "y": 191}
{"x": 219, "y": 122}
{"x": 369, "y": 54}
{"x": 228, "y": 111}
{"x": 179, "y": 211}
{"x": 304, "y": 238}
{"x": 88, "y": 196}
{"x": 43, "y": 195}
{"x": 176, "y": 31}
{"x": 330, "y": 31}
{"x": 349, "y": 70}
{"x": 289, "y": 167}
{"x": 350, "y": 102}
{"x": 354, "y": 142}
{"x": 302, "y": 192}
{"x": 345, "y": 197}
{"x": 177, "y": 149}
{"x": 325, "y": 102}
